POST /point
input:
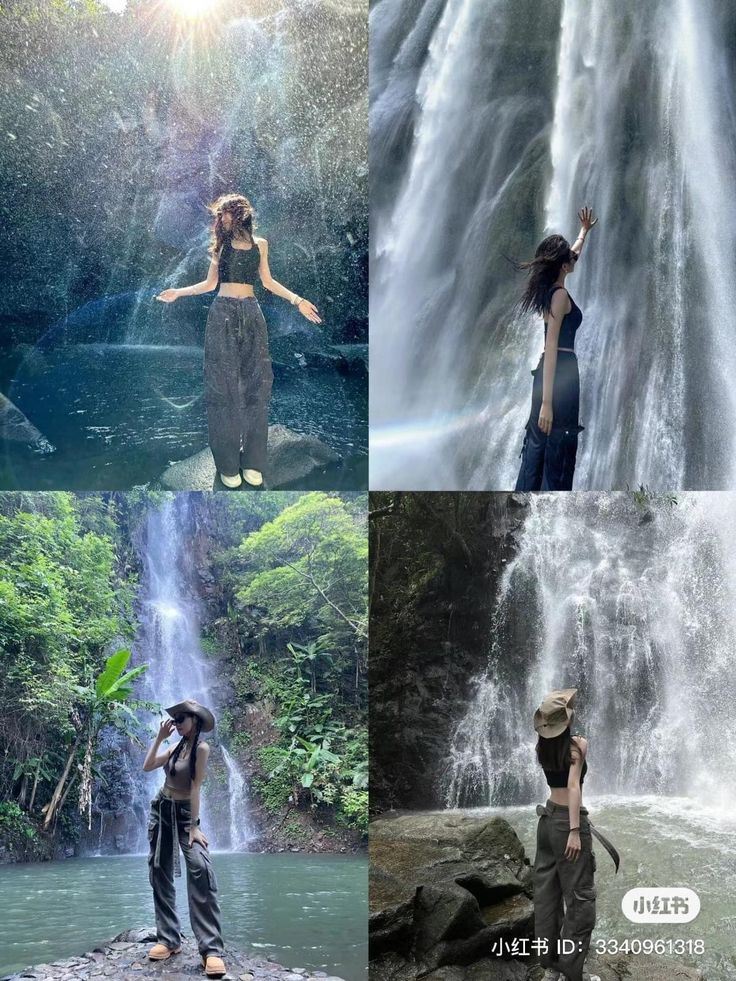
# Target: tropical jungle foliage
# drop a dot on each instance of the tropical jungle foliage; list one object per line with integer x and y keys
{"x": 286, "y": 611}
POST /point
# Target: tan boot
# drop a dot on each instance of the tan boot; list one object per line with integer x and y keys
{"x": 214, "y": 967}
{"x": 160, "y": 952}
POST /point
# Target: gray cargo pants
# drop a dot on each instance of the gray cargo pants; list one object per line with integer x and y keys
{"x": 564, "y": 891}
{"x": 168, "y": 828}
{"x": 237, "y": 382}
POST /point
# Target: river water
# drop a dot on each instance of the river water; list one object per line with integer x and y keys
{"x": 304, "y": 910}
{"x": 119, "y": 414}
{"x": 663, "y": 841}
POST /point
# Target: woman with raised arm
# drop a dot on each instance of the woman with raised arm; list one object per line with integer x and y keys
{"x": 551, "y": 441}
{"x": 174, "y": 824}
{"x": 237, "y": 364}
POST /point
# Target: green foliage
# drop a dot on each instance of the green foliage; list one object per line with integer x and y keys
{"x": 353, "y": 811}
{"x": 15, "y": 823}
{"x": 645, "y": 498}
{"x": 309, "y": 563}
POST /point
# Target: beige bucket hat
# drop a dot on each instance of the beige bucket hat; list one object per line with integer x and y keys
{"x": 194, "y": 708}
{"x": 554, "y": 714}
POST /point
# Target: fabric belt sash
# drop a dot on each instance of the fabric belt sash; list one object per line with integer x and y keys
{"x": 164, "y": 802}
{"x": 543, "y": 811}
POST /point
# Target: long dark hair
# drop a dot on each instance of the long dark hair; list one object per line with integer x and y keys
{"x": 243, "y": 221}
{"x": 552, "y": 253}
{"x": 171, "y": 762}
{"x": 556, "y": 754}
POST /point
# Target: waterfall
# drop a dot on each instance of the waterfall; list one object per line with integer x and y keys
{"x": 239, "y": 830}
{"x": 637, "y": 612}
{"x": 169, "y": 642}
{"x": 495, "y": 124}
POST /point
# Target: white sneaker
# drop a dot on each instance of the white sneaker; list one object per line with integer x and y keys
{"x": 253, "y": 477}
{"x": 231, "y": 481}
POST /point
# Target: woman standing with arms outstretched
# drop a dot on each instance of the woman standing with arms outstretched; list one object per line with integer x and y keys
{"x": 551, "y": 442}
{"x": 564, "y": 865}
{"x": 174, "y": 823}
{"x": 237, "y": 364}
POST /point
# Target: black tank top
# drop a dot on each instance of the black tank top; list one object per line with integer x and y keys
{"x": 558, "y": 778}
{"x": 239, "y": 265}
{"x": 570, "y": 323}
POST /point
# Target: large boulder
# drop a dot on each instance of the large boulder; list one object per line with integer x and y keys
{"x": 291, "y": 457}
{"x": 442, "y": 888}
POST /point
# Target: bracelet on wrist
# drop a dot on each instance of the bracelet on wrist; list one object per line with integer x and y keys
{"x": 574, "y": 829}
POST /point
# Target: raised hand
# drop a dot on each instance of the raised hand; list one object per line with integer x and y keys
{"x": 586, "y": 218}
{"x": 165, "y": 729}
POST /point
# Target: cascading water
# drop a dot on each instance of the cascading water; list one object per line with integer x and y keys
{"x": 637, "y": 614}
{"x": 490, "y": 126}
{"x": 169, "y": 642}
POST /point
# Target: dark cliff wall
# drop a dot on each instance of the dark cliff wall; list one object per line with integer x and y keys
{"x": 435, "y": 563}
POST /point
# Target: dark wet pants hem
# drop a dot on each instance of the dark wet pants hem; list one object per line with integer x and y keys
{"x": 238, "y": 380}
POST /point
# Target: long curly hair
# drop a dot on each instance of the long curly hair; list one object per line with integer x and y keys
{"x": 552, "y": 253}
{"x": 243, "y": 221}
{"x": 171, "y": 763}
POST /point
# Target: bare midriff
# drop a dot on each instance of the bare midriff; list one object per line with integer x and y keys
{"x": 559, "y": 795}
{"x": 237, "y": 290}
{"x": 176, "y": 794}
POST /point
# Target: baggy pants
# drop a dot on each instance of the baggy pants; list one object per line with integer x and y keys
{"x": 548, "y": 462}
{"x": 237, "y": 379}
{"x": 168, "y": 829}
{"x": 564, "y": 891}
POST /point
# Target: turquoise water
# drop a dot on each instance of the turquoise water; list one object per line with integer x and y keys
{"x": 303, "y": 910}
{"x": 118, "y": 415}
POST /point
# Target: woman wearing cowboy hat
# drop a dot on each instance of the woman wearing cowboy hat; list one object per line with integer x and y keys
{"x": 564, "y": 866}
{"x": 174, "y": 822}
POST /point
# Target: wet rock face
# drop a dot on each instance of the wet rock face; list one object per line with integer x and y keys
{"x": 442, "y": 888}
{"x": 126, "y": 957}
{"x": 113, "y": 176}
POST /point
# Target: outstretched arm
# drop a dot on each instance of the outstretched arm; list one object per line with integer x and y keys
{"x": 206, "y": 286}
{"x": 586, "y": 223}
{"x": 305, "y": 308}
{"x": 154, "y": 758}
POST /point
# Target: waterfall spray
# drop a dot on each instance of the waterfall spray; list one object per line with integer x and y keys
{"x": 640, "y": 618}
{"x": 521, "y": 114}
{"x": 169, "y": 641}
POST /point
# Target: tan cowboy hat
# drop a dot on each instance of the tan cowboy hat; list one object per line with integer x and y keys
{"x": 554, "y": 714}
{"x": 194, "y": 708}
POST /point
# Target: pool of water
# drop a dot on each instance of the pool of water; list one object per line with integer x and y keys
{"x": 119, "y": 414}
{"x": 663, "y": 841}
{"x": 304, "y": 910}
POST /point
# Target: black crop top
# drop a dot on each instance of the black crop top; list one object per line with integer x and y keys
{"x": 239, "y": 265}
{"x": 570, "y": 323}
{"x": 558, "y": 778}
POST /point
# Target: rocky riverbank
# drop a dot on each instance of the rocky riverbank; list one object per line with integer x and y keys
{"x": 444, "y": 887}
{"x": 126, "y": 957}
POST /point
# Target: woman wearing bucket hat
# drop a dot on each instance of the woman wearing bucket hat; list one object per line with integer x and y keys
{"x": 564, "y": 866}
{"x": 174, "y": 823}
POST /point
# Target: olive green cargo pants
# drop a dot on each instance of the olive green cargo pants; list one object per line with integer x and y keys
{"x": 564, "y": 892}
{"x": 168, "y": 829}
